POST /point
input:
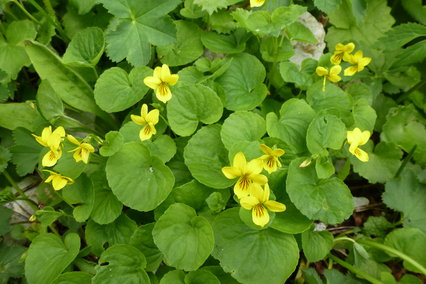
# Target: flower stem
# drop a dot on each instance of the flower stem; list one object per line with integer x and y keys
{"x": 355, "y": 270}
{"x": 20, "y": 191}
{"x": 393, "y": 251}
{"x": 406, "y": 160}
{"x": 28, "y": 14}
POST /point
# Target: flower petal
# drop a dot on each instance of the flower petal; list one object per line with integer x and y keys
{"x": 265, "y": 149}
{"x": 260, "y": 215}
{"x": 231, "y": 172}
{"x": 239, "y": 162}
{"x": 163, "y": 93}
{"x": 364, "y": 137}
{"x": 348, "y": 48}
{"x": 248, "y": 202}
{"x": 152, "y": 82}
{"x": 50, "y": 158}
{"x": 275, "y": 206}
{"x": 350, "y": 71}
{"x": 72, "y": 139}
{"x": 321, "y": 71}
{"x": 147, "y": 132}
{"x": 153, "y": 116}
{"x": 255, "y": 166}
{"x": 144, "y": 111}
{"x": 137, "y": 119}
{"x": 361, "y": 155}
{"x": 256, "y": 3}
{"x": 59, "y": 182}
{"x": 157, "y": 72}
{"x": 336, "y": 58}
{"x": 258, "y": 178}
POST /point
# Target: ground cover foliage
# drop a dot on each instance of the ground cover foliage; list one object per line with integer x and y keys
{"x": 198, "y": 141}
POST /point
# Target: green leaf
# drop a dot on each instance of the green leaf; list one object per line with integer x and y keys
{"x": 382, "y": 164}
{"x": 291, "y": 221}
{"x": 270, "y": 52}
{"x": 250, "y": 255}
{"x": 327, "y": 5}
{"x": 185, "y": 239}
{"x": 67, "y": 165}
{"x": 117, "y": 232}
{"x": 24, "y": 115}
{"x": 324, "y": 167}
{"x": 406, "y": 127}
{"x": 142, "y": 240}
{"x": 185, "y": 49}
{"x": 48, "y": 256}
{"x": 316, "y": 244}
{"x": 364, "y": 115}
{"x": 106, "y": 207}
{"x": 243, "y": 83}
{"x": 416, "y": 9}
{"x": 69, "y": 85}
{"x": 173, "y": 277}
{"x": 327, "y": 200}
{"x": 190, "y": 105}
{"x": 138, "y": 25}
{"x": 201, "y": 277}
{"x": 377, "y": 226}
{"x": 292, "y": 125}
{"x": 212, "y": 6}
{"x": 115, "y": 90}
{"x": 333, "y": 100}
{"x": 298, "y": 31}
{"x": 205, "y": 156}
{"x": 376, "y": 21}
{"x": 406, "y": 194}
{"x": 112, "y": 143}
{"x": 80, "y": 193}
{"x": 413, "y": 54}
{"x": 290, "y": 73}
{"x": 325, "y": 131}
{"x": 11, "y": 46}
{"x": 411, "y": 242}
{"x": 75, "y": 277}
{"x": 86, "y": 47}
{"x": 5, "y": 157}
{"x": 49, "y": 103}
{"x": 242, "y": 126}
{"x": 124, "y": 263}
{"x": 192, "y": 194}
{"x": 83, "y": 6}
{"x": 10, "y": 264}
{"x": 6, "y": 213}
{"x": 138, "y": 179}
{"x": 163, "y": 147}
{"x": 25, "y": 151}
{"x": 191, "y": 10}
{"x": 401, "y": 35}
{"x": 223, "y": 43}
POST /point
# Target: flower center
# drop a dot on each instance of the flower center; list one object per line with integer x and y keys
{"x": 245, "y": 182}
{"x": 258, "y": 210}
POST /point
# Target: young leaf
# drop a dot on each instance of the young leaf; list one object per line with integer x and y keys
{"x": 137, "y": 26}
{"x": 328, "y": 200}
{"x": 316, "y": 245}
{"x": 138, "y": 179}
{"x": 190, "y": 105}
{"x": 48, "y": 256}
{"x": 190, "y": 248}
{"x": 253, "y": 256}
{"x": 205, "y": 156}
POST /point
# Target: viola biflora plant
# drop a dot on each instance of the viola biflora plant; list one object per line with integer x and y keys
{"x": 198, "y": 141}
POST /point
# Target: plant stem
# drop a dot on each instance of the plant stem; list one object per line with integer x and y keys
{"x": 28, "y": 14}
{"x": 393, "y": 251}
{"x": 355, "y": 270}
{"x": 20, "y": 191}
{"x": 407, "y": 93}
{"x": 50, "y": 19}
{"x": 406, "y": 160}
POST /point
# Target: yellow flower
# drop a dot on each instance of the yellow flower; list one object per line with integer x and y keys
{"x": 256, "y": 3}
{"x": 51, "y": 158}
{"x": 149, "y": 119}
{"x": 359, "y": 63}
{"x": 271, "y": 159}
{"x": 342, "y": 52}
{"x": 53, "y": 141}
{"x": 333, "y": 75}
{"x": 357, "y": 138}
{"x": 159, "y": 81}
{"x": 248, "y": 173}
{"x": 259, "y": 204}
{"x": 83, "y": 150}
{"x": 58, "y": 181}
